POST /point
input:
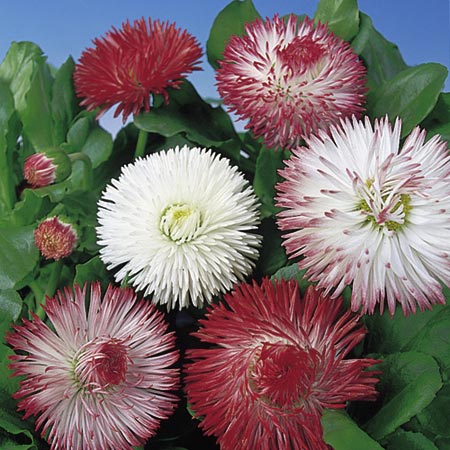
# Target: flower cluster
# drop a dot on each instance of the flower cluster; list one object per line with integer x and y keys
{"x": 181, "y": 224}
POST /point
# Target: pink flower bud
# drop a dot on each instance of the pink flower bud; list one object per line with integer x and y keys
{"x": 54, "y": 238}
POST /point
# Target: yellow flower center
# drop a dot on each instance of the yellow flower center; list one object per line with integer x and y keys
{"x": 180, "y": 222}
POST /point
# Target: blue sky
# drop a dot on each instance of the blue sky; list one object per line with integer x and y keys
{"x": 421, "y": 29}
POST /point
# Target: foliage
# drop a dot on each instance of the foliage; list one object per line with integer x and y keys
{"x": 39, "y": 109}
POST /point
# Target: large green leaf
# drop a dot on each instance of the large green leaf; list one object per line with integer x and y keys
{"x": 266, "y": 177}
{"x": 438, "y": 121}
{"x": 410, "y": 441}
{"x": 426, "y": 332}
{"x": 410, "y": 95}
{"x": 230, "y": 21}
{"x": 341, "y": 16}
{"x": 92, "y": 270}
{"x": 430, "y": 420}
{"x": 10, "y": 308}
{"x": 409, "y": 383}
{"x": 98, "y": 145}
{"x": 64, "y": 102}
{"x": 394, "y": 334}
{"x": 10, "y": 421}
{"x": 187, "y": 114}
{"x": 35, "y": 113}
{"x": 382, "y": 58}
{"x": 342, "y": 433}
{"x": 7, "y": 182}
{"x": 18, "y": 67}
{"x": 18, "y": 256}
{"x": 272, "y": 254}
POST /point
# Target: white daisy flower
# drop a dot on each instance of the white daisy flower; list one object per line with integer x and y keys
{"x": 179, "y": 225}
{"x": 365, "y": 211}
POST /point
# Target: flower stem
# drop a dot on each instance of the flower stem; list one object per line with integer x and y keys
{"x": 52, "y": 283}
{"x": 141, "y": 143}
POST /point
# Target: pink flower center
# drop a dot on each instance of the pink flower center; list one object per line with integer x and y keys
{"x": 102, "y": 364}
{"x": 301, "y": 54}
{"x": 284, "y": 374}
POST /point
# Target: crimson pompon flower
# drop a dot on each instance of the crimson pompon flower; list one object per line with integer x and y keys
{"x": 289, "y": 78}
{"x": 97, "y": 380}
{"x": 275, "y": 360}
{"x": 127, "y": 66}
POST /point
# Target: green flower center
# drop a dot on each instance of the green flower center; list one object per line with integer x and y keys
{"x": 384, "y": 209}
{"x": 180, "y": 222}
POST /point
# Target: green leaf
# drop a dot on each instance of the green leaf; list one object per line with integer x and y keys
{"x": 7, "y": 182}
{"x": 438, "y": 121}
{"x": 10, "y": 308}
{"x": 409, "y": 440}
{"x": 342, "y": 433}
{"x": 394, "y": 334}
{"x": 442, "y": 443}
{"x": 35, "y": 113}
{"x": 341, "y": 16}
{"x": 268, "y": 164}
{"x": 78, "y": 134}
{"x": 272, "y": 255}
{"x": 92, "y": 270}
{"x": 98, "y": 145}
{"x": 30, "y": 208}
{"x": 293, "y": 272}
{"x": 430, "y": 420}
{"x": 187, "y": 114}
{"x": 230, "y": 21}
{"x": 409, "y": 383}
{"x": 382, "y": 58}
{"x": 10, "y": 420}
{"x": 410, "y": 95}
{"x": 19, "y": 255}
{"x": 64, "y": 101}
{"x": 426, "y": 332}
{"x": 18, "y": 68}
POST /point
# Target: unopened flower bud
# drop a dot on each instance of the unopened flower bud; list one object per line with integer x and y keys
{"x": 42, "y": 169}
{"x": 55, "y": 238}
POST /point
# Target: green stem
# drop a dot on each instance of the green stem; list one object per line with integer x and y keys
{"x": 39, "y": 298}
{"x": 52, "y": 284}
{"x": 141, "y": 143}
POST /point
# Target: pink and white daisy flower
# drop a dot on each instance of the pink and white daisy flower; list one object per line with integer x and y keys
{"x": 289, "y": 78}
{"x": 365, "y": 211}
{"x": 274, "y": 361}
{"x": 96, "y": 380}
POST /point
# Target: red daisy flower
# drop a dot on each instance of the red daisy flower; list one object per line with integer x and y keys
{"x": 290, "y": 78}
{"x": 98, "y": 379}
{"x": 127, "y": 66}
{"x": 277, "y": 362}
